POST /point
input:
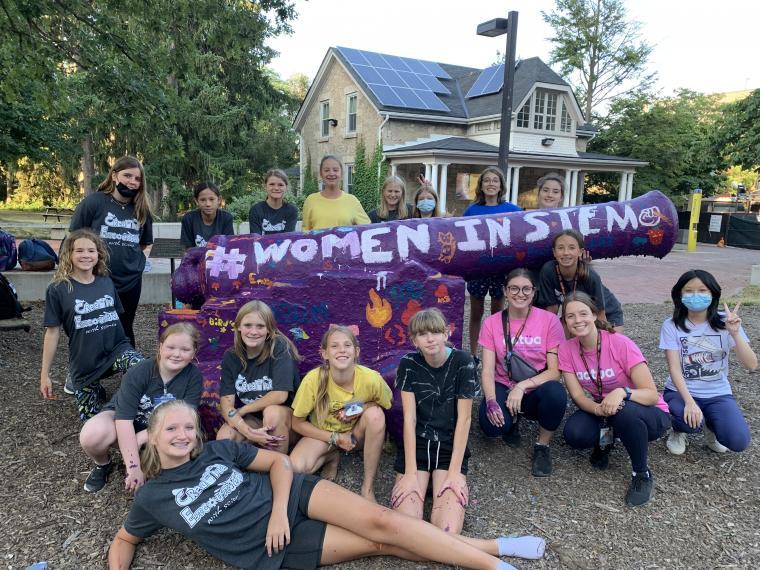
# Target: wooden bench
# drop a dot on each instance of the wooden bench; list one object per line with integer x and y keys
{"x": 15, "y": 325}
{"x": 58, "y": 213}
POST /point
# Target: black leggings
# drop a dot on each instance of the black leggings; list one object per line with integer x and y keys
{"x": 129, "y": 301}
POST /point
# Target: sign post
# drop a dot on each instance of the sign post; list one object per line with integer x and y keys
{"x": 696, "y": 203}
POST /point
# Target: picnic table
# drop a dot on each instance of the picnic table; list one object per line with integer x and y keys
{"x": 57, "y": 213}
{"x": 171, "y": 249}
{"x": 15, "y": 324}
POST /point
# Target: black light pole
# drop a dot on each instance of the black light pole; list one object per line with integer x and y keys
{"x": 493, "y": 28}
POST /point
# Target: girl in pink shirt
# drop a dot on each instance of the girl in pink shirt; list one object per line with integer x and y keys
{"x": 609, "y": 380}
{"x": 534, "y": 335}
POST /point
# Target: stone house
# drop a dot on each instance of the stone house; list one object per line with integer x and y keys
{"x": 443, "y": 121}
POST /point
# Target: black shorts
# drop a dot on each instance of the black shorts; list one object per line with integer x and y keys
{"x": 306, "y": 535}
{"x": 431, "y": 455}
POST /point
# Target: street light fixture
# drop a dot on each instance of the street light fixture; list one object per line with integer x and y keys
{"x": 493, "y": 28}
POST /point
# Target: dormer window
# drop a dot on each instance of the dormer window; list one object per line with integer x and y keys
{"x": 542, "y": 111}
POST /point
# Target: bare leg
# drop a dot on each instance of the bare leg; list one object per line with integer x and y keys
{"x": 619, "y": 329}
{"x": 381, "y": 525}
{"x": 448, "y": 512}
{"x": 226, "y": 432}
{"x": 544, "y": 436}
{"x": 331, "y": 465}
{"x": 308, "y": 455}
{"x": 414, "y": 506}
{"x": 477, "y": 306}
{"x": 497, "y": 304}
{"x": 370, "y": 434}
{"x": 341, "y": 545}
{"x": 98, "y": 435}
{"x": 279, "y": 417}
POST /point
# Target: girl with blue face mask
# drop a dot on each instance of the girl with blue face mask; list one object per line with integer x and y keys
{"x": 425, "y": 203}
{"x": 697, "y": 340}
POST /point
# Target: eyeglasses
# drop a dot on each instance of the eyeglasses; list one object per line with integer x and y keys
{"x": 491, "y": 180}
{"x": 514, "y": 290}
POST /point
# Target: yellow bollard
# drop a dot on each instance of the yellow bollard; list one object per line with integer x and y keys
{"x": 696, "y": 202}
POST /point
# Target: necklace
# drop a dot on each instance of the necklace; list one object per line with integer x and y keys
{"x": 122, "y": 205}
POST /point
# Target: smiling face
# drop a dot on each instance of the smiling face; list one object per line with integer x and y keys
{"x": 176, "y": 437}
{"x": 550, "y": 195}
{"x": 566, "y": 251}
{"x": 130, "y": 177}
{"x": 276, "y": 188}
{"x": 432, "y": 345}
{"x": 341, "y": 353}
{"x": 491, "y": 185}
{"x": 580, "y": 319}
{"x": 392, "y": 195}
{"x": 84, "y": 255}
{"x": 695, "y": 285}
{"x": 208, "y": 202}
{"x": 330, "y": 172}
{"x": 176, "y": 352}
{"x": 253, "y": 332}
{"x": 519, "y": 291}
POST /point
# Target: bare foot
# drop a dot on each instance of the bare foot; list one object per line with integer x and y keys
{"x": 330, "y": 468}
{"x": 368, "y": 494}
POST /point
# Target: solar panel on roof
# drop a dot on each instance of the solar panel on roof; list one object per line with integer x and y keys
{"x": 496, "y": 82}
{"x": 354, "y": 56}
{"x": 386, "y": 95}
{"x": 485, "y": 80}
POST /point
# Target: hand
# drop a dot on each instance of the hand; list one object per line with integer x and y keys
{"x": 262, "y": 437}
{"x": 586, "y": 256}
{"x": 345, "y": 441}
{"x": 733, "y": 322}
{"x": 692, "y": 415}
{"x": 514, "y": 400}
{"x": 134, "y": 479}
{"x": 46, "y": 388}
{"x": 612, "y": 402}
{"x": 457, "y": 483}
{"x": 278, "y": 533}
{"x": 494, "y": 413}
{"x": 343, "y": 418}
{"x": 405, "y": 486}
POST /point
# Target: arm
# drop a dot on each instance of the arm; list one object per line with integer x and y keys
{"x": 692, "y": 414}
{"x": 488, "y": 385}
{"x": 305, "y": 428}
{"x": 407, "y": 484}
{"x": 122, "y": 550}
{"x": 273, "y": 398}
{"x": 744, "y": 353}
{"x": 49, "y": 348}
{"x": 291, "y": 220}
{"x": 185, "y": 236}
{"x": 360, "y": 216}
{"x": 228, "y": 227}
{"x": 644, "y": 391}
{"x": 455, "y": 481}
{"x": 281, "y": 477}
{"x": 254, "y": 220}
{"x": 579, "y": 397}
{"x": 125, "y": 434}
{"x": 514, "y": 400}
{"x": 306, "y": 224}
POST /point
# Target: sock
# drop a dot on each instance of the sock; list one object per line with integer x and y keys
{"x": 531, "y": 547}
{"x": 504, "y": 566}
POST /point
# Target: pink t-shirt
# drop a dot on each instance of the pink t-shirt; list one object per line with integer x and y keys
{"x": 619, "y": 355}
{"x": 542, "y": 332}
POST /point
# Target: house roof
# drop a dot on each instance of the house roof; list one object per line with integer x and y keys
{"x": 461, "y": 144}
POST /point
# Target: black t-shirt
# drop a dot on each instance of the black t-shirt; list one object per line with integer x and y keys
{"x": 89, "y": 315}
{"x": 142, "y": 389}
{"x": 265, "y": 220}
{"x": 215, "y": 502}
{"x": 117, "y": 225}
{"x": 375, "y": 218}
{"x": 550, "y": 292}
{"x": 436, "y": 391}
{"x": 279, "y": 373}
{"x": 195, "y": 233}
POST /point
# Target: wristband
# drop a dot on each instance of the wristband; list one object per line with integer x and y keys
{"x": 333, "y": 440}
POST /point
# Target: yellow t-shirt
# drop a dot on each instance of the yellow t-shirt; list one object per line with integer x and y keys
{"x": 320, "y": 212}
{"x": 369, "y": 386}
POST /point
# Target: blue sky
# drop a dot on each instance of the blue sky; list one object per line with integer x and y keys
{"x": 708, "y": 47}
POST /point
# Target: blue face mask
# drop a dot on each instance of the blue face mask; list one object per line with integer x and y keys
{"x": 696, "y": 301}
{"x": 427, "y": 205}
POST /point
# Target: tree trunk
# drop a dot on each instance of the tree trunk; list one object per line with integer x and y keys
{"x": 5, "y": 190}
{"x": 88, "y": 167}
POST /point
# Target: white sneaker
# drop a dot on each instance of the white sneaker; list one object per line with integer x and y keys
{"x": 676, "y": 443}
{"x": 713, "y": 443}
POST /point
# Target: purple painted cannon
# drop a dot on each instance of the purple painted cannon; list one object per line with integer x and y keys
{"x": 376, "y": 277}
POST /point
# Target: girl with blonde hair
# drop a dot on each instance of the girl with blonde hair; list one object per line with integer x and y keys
{"x": 393, "y": 204}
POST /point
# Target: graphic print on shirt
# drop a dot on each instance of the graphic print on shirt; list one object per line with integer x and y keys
{"x": 269, "y": 227}
{"x": 95, "y": 322}
{"x": 130, "y": 237}
{"x": 219, "y": 501}
{"x": 199, "y": 241}
{"x": 702, "y": 357}
{"x": 242, "y": 385}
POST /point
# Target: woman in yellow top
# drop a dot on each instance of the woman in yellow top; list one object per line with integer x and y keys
{"x": 339, "y": 407}
{"x": 332, "y": 207}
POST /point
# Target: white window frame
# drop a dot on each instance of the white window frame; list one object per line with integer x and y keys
{"x": 547, "y": 111}
{"x": 324, "y": 118}
{"x": 349, "y": 115}
{"x": 348, "y": 183}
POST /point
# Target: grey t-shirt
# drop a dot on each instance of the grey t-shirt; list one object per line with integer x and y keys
{"x": 255, "y": 380}
{"x": 195, "y": 233}
{"x": 265, "y": 220}
{"x": 142, "y": 389}
{"x": 89, "y": 315}
{"x": 215, "y": 502}
{"x": 117, "y": 225}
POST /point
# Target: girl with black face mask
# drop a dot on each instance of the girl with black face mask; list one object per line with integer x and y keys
{"x": 119, "y": 212}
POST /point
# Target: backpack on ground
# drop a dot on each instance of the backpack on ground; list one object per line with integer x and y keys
{"x": 10, "y": 308}
{"x": 8, "y": 256}
{"x": 36, "y": 255}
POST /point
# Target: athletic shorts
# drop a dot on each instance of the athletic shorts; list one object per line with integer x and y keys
{"x": 431, "y": 455}
{"x": 493, "y": 286}
{"x": 306, "y": 535}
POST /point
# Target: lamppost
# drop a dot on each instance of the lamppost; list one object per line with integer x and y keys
{"x": 493, "y": 28}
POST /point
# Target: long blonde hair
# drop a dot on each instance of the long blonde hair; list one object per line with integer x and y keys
{"x": 402, "y": 210}
{"x": 142, "y": 204}
{"x": 150, "y": 460}
{"x": 273, "y": 333}
{"x": 322, "y": 402}
{"x": 66, "y": 266}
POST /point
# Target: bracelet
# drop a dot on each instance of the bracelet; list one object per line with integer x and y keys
{"x": 333, "y": 440}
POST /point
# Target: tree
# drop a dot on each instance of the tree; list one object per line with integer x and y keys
{"x": 673, "y": 134}
{"x": 369, "y": 173}
{"x": 737, "y": 135}
{"x": 598, "y": 50}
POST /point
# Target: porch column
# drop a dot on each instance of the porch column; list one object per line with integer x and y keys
{"x": 508, "y": 184}
{"x": 581, "y": 186}
{"x": 434, "y": 179}
{"x": 573, "y": 187}
{"x": 623, "y": 187}
{"x": 568, "y": 182}
{"x": 393, "y": 169}
{"x": 629, "y": 191}
{"x": 444, "y": 181}
{"x": 515, "y": 190}
{"x": 428, "y": 171}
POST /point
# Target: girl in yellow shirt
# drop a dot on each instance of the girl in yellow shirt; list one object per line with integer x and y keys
{"x": 332, "y": 207}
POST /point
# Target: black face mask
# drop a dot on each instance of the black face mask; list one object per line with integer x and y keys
{"x": 126, "y": 191}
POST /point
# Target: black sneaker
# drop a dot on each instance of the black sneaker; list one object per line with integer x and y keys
{"x": 641, "y": 490}
{"x": 600, "y": 458}
{"x": 68, "y": 386}
{"x": 512, "y": 437}
{"x": 98, "y": 477}
{"x": 542, "y": 461}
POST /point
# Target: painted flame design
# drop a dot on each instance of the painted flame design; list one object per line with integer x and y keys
{"x": 379, "y": 310}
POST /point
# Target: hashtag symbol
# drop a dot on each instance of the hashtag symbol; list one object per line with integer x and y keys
{"x": 219, "y": 261}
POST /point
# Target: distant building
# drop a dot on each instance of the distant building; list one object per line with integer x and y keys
{"x": 444, "y": 120}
